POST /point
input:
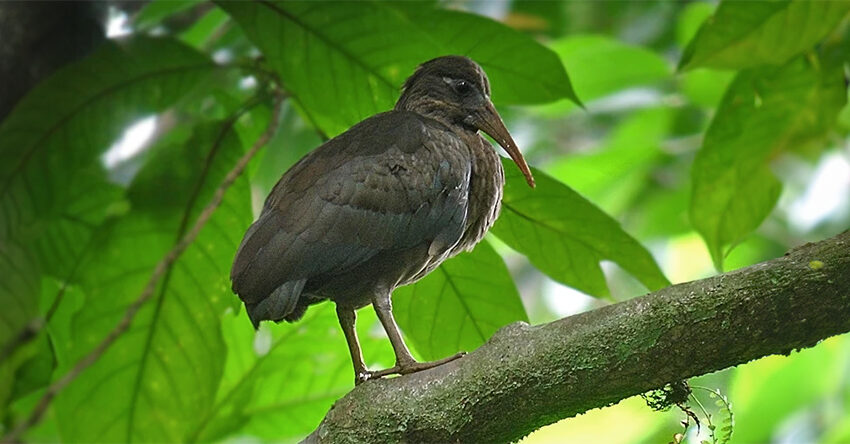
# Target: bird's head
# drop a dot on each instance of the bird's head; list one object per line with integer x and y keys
{"x": 455, "y": 91}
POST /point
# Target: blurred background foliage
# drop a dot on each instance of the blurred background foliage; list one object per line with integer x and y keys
{"x": 713, "y": 136}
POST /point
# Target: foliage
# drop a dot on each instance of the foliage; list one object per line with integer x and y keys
{"x": 658, "y": 158}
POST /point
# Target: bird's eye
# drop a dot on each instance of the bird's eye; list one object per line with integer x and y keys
{"x": 462, "y": 87}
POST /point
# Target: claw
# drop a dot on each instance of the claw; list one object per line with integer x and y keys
{"x": 404, "y": 368}
{"x": 362, "y": 377}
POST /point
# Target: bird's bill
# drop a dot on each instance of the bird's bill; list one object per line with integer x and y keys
{"x": 488, "y": 120}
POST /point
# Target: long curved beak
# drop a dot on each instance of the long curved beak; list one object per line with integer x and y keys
{"x": 488, "y": 120}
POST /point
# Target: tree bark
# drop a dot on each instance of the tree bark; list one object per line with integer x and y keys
{"x": 525, "y": 376}
{"x": 40, "y": 37}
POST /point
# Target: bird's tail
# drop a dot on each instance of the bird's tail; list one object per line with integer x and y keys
{"x": 278, "y": 304}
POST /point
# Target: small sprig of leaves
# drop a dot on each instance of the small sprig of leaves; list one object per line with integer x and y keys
{"x": 719, "y": 424}
{"x": 721, "y": 431}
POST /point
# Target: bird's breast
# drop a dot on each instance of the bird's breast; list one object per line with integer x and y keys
{"x": 485, "y": 194}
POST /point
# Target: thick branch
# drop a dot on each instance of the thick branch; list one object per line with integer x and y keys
{"x": 529, "y": 376}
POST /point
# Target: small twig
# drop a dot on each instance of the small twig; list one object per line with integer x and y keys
{"x": 163, "y": 265}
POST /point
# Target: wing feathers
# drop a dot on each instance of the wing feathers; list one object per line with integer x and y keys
{"x": 347, "y": 202}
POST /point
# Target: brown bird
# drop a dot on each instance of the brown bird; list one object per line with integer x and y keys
{"x": 380, "y": 206}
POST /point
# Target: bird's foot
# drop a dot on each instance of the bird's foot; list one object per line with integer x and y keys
{"x": 403, "y": 368}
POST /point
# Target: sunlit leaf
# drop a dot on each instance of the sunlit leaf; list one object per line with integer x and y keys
{"x": 69, "y": 119}
{"x": 600, "y": 65}
{"x": 764, "y": 112}
{"x": 207, "y": 27}
{"x": 168, "y": 365}
{"x": 52, "y": 189}
{"x": 691, "y": 17}
{"x": 566, "y": 236}
{"x": 751, "y": 33}
{"x": 280, "y": 382}
{"x": 154, "y": 12}
{"x": 766, "y": 392}
{"x": 346, "y": 61}
{"x": 611, "y": 174}
{"x": 459, "y": 305}
{"x": 704, "y": 86}
{"x": 660, "y": 211}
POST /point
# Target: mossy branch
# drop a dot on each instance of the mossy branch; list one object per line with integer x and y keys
{"x": 528, "y": 376}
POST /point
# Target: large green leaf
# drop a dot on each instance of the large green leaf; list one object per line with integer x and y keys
{"x": 459, "y": 305}
{"x": 52, "y": 195}
{"x": 566, "y": 236}
{"x": 600, "y": 65}
{"x": 161, "y": 376}
{"x": 765, "y": 111}
{"x": 744, "y": 34}
{"x": 68, "y": 120}
{"x": 280, "y": 382}
{"x": 346, "y": 61}
{"x": 52, "y": 191}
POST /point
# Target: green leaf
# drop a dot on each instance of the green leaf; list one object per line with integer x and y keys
{"x": 613, "y": 173}
{"x": 69, "y": 119}
{"x": 19, "y": 288}
{"x": 279, "y": 383}
{"x": 768, "y": 391}
{"x": 459, "y": 305}
{"x": 207, "y": 28}
{"x": 705, "y": 87}
{"x": 765, "y": 111}
{"x": 61, "y": 126}
{"x": 161, "y": 376}
{"x": 154, "y": 12}
{"x": 600, "y": 65}
{"x": 36, "y": 371}
{"x": 660, "y": 211}
{"x": 347, "y": 61}
{"x": 751, "y": 33}
{"x": 692, "y": 16}
{"x": 565, "y": 235}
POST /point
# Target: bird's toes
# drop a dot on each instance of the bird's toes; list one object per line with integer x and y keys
{"x": 361, "y": 377}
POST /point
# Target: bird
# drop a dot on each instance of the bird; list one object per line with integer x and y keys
{"x": 380, "y": 206}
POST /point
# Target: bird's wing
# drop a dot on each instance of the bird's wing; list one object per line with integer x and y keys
{"x": 388, "y": 183}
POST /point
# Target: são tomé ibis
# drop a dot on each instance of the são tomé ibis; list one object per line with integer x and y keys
{"x": 380, "y": 206}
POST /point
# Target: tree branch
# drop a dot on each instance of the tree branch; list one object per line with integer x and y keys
{"x": 164, "y": 264}
{"x": 528, "y": 376}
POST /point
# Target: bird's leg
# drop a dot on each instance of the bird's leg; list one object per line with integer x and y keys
{"x": 347, "y": 319}
{"x": 405, "y": 363}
